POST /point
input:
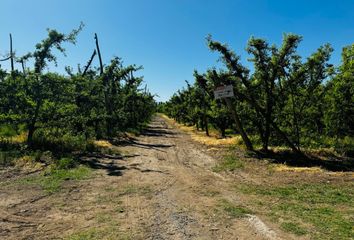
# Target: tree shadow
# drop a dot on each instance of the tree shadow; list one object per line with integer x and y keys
{"x": 106, "y": 162}
{"x": 133, "y": 142}
{"x": 330, "y": 162}
{"x": 146, "y": 170}
{"x": 153, "y": 132}
{"x": 111, "y": 167}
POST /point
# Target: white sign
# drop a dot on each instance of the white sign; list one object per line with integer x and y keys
{"x": 224, "y": 92}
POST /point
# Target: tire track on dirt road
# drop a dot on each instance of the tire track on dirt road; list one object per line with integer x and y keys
{"x": 180, "y": 207}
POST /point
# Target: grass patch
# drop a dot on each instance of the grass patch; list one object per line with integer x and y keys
{"x": 100, "y": 233}
{"x": 229, "y": 163}
{"x": 52, "y": 180}
{"x": 233, "y": 210}
{"x": 113, "y": 194}
{"x": 310, "y": 193}
{"x": 208, "y": 193}
{"x": 103, "y": 217}
{"x": 293, "y": 228}
{"x": 132, "y": 189}
{"x": 324, "y": 210}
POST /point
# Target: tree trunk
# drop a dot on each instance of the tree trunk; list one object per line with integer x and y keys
{"x": 239, "y": 126}
{"x": 202, "y": 124}
{"x": 295, "y": 122}
{"x": 222, "y": 130}
{"x": 285, "y": 138}
{"x": 23, "y": 67}
{"x": 99, "y": 54}
{"x": 105, "y": 86}
{"x": 265, "y": 138}
{"x": 32, "y": 124}
{"x": 206, "y": 124}
{"x": 261, "y": 111}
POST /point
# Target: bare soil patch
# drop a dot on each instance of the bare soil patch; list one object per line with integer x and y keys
{"x": 163, "y": 186}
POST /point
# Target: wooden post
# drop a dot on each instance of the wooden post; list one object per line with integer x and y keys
{"x": 99, "y": 54}
{"x": 23, "y": 67}
{"x": 89, "y": 62}
{"x": 11, "y": 54}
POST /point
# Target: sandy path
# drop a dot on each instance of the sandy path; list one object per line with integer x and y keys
{"x": 162, "y": 189}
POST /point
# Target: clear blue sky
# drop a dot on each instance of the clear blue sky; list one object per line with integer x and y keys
{"x": 167, "y": 37}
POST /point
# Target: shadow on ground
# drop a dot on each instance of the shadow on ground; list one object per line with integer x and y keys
{"x": 106, "y": 162}
{"x": 112, "y": 166}
{"x": 331, "y": 163}
{"x": 132, "y": 142}
{"x": 157, "y": 132}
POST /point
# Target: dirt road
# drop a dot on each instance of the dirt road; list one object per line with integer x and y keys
{"x": 162, "y": 188}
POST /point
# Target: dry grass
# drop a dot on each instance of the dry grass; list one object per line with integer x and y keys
{"x": 213, "y": 140}
{"x": 102, "y": 144}
{"x": 21, "y": 138}
{"x": 28, "y": 163}
{"x": 285, "y": 168}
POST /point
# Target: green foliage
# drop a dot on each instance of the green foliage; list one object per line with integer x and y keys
{"x": 339, "y": 117}
{"x": 66, "y": 163}
{"x": 63, "y": 113}
{"x": 7, "y": 157}
{"x": 7, "y": 131}
{"x": 286, "y": 100}
{"x": 58, "y": 140}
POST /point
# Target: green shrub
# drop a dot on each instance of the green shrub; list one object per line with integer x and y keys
{"x": 58, "y": 141}
{"x": 7, "y": 157}
{"x": 66, "y": 163}
{"x": 7, "y": 131}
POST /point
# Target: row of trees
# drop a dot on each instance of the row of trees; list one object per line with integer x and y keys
{"x": 91, "y": 103}
{"x": 285, "y": 100}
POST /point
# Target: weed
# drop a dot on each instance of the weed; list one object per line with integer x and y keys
{"x": 103, "y": 217}
{"x": 100, "y": 233}
{"x": 132, "y": 189}
{"x": 66, "y": 163}
{"x": 229, "y": 163}
{"x": 293, "y": 228}
{"x": 233, "y": 210}
{"x": 119, "y": 209}
{"x": 325, "y": 209}
{"x": 51, "y": 181}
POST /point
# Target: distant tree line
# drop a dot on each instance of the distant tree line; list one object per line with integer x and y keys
{"x": 54, "y": 109}
{"x": 284, "y": 100}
